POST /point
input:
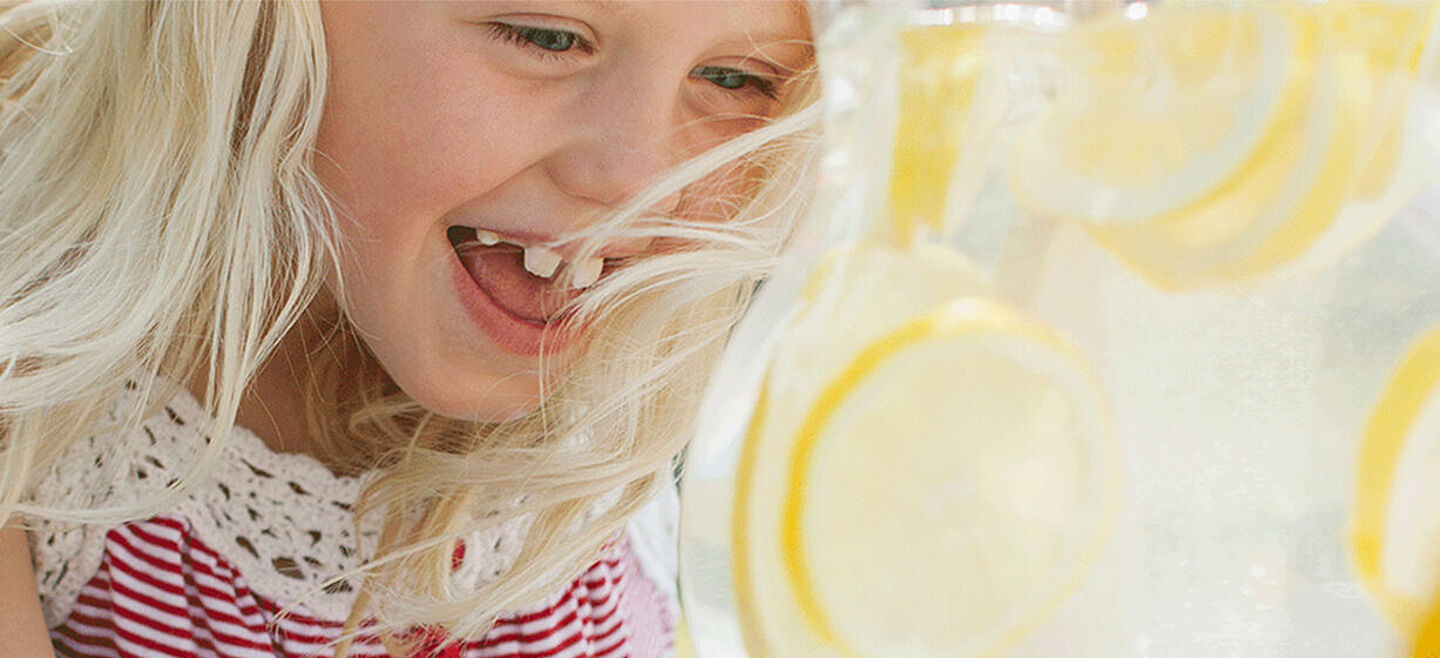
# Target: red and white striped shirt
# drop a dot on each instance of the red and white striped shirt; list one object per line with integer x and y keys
{"x": 210, "y": 577}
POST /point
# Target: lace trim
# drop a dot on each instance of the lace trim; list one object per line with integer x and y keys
{"x": 282, "y": 519}
{"x": 67, "y": 555}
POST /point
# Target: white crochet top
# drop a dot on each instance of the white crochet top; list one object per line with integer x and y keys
{"x": 283, "y": 519}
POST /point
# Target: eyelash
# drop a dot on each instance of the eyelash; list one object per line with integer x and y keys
{"x": 758, "y": 83}
{"x": 527, "y": 37}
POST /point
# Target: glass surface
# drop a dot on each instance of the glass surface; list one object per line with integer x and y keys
{"x": 1170, "y": 275}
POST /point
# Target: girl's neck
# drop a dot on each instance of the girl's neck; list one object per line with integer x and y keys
{"x": 273, "y": 405}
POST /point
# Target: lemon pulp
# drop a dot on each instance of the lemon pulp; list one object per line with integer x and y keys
{"x": 955, "y": 451}
{"x": 969, "y": 449}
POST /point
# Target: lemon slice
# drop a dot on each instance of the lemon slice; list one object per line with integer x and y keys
{"x": 1276, "y": 206}
{"x": 1394, "y": 39}
{"x": 1395, "y": 533}
{"x": 854, "y": 295}
{"x": 1426, "y": 643}
{"x": 1397, "y": 43}
{"x": 933, "y": 489}
{"x": 1166, "y": 145}
{"x": 1153, "y": 115}
{"x": 969, "y": 449}
{"x": 947, "y": 112}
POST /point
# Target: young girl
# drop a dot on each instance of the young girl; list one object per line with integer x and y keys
{"x": 350, "y": 328}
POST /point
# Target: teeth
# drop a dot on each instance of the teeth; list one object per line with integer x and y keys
{"x": 544, "y": 262}
{"x": 541, "y": 262}
{"x": 586, "y": 272}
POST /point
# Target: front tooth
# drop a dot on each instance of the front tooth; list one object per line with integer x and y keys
{"x": 487, "y": 238}
{"x": 586, "y": 272}
{"x": 541, "y": 261}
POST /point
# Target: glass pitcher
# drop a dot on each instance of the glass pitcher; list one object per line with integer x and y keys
{"x": 1115, "y": 331}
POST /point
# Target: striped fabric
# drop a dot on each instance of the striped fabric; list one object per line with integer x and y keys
{"x": 159, "y": 591}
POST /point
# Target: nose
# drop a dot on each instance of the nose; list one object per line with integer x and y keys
{"x": 624, "y": 139}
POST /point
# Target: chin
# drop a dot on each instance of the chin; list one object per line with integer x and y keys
{"x": 479, "y": 399}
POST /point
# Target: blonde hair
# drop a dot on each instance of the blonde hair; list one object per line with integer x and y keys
{"x": 159, "y": 216}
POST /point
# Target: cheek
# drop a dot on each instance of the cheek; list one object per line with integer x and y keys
{"x": 419, "y": 145}
{"x": 418, "y": 165}
{"x": 716, "y": 197}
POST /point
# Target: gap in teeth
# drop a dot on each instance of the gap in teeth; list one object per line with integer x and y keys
{"x": 543, "y": 261}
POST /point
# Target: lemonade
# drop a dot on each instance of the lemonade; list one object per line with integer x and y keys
{"x": 1117, "y": 333}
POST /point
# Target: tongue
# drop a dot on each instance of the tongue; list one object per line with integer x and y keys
{"x": 500, "y": 272}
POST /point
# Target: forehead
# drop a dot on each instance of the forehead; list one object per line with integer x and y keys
{"x": 775, "y": 29}
{"x": 759, "y": 19}
{"x": 782, "y": 10}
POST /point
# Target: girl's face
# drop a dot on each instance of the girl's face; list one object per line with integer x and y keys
{"x": 522, "y": 121}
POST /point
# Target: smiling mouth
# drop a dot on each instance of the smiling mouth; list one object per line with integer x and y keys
{"x": 538, "y": 259}
{"x": 521, "y": 280}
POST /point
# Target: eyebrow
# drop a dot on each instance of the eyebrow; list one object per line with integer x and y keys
{"x": 798, "y": 9}
{"x": 610, "y": 6}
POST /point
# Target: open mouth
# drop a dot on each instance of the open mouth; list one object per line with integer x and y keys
{"x": 531, "y": 283}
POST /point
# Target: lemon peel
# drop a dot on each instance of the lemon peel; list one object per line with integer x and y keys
{"x": 1426, "y": 643}
{"x": 1397, "y": 430}
{"x": 1392, "y": 39}
{"x": 1156, "y": 114}
{"x": 853, "y": 294}
{"x": 1275, "y": 207}
{"x": 1073, "y": 433}
{"x": 1191, "y": 194}
{"x": 945, "y": 108}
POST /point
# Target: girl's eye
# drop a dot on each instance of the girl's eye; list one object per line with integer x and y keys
{"x": 548, "y": 41}
{"x": 735, "y": 79}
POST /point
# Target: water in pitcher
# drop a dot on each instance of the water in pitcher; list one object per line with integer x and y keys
{"x": 1115, "y": 332}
